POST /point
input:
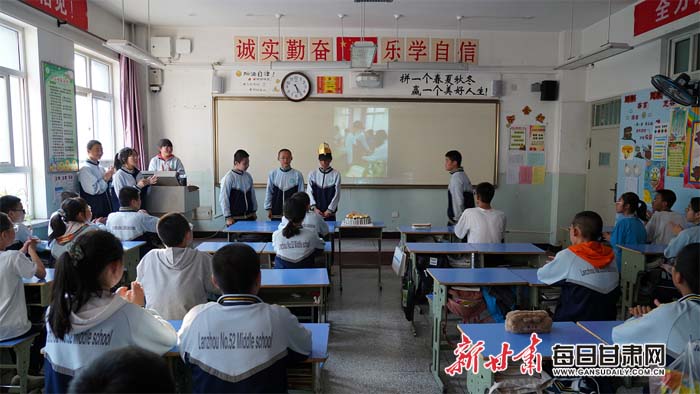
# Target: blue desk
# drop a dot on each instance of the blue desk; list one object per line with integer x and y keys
{"x": 439, "y": 248}
{"x": 530, "y": 275}
{"x": 633, "y": 262}
{"x": 508, "y": 249}
{"x": 37, "y": 292}
{"x": 212, "y": 247}
{"x": 370, "y": 232}
{"x": 251, "y": 227}
{"x": 303, "y": 277}
{"x": 270, "y": 249}
{"x": 131, "y": 258}
{"x": 494, "y": 334}
{"x": 297, "y": 288}
{"x": 408, "y": 232}
{"x": 446, "y": 277}
{"x": 600, "y": 329}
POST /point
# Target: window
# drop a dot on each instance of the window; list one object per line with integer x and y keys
{"x": 15, "y": 172}
{"x": 95, "y": 104}
{"x": 606, "y": 114}
{"x": 684, "y": 53}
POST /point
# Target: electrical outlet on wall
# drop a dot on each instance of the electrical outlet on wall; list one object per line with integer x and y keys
{"x": 395, "y": 214}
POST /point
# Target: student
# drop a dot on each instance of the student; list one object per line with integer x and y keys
{"x": 95, "y": 182}
{"x": 72, "y": 221}
{"x": 312, "y": 220}
{"x": 324, "y": 185}
{"x": 131, "y": 222}
{"x": 689, "y": 235}
{"x": 482, "y": 224}
{"x": 629, "y": 228}
{"x": 64, "y": 197}
{"x": 237, "y": 196}
{"x": 459, "y": 192}
{"x": 12, "y": 207}
{"x": 86, "y": 320}
{"x": 675, "y": 323}
{"x": 588, "y": 277}
{"x": 295, "y": 246}
{"x": 126, "y": 161}
{"x": 165, "y": 160}
{"x": 281, "y": 184}
{"x": 176, "y": 278}
{"x": 244, "y": 368}
{"x": 15, "y": 266}
{"x": 126, "y": 370}
{"x": 659, "y": 228}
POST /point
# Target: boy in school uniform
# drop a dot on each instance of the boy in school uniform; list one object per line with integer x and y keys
{"x": 459, "y": 192}
{"x": 685, "y": 236}
{"x": 312, "y": 220}
{"x": 130, "y": 222}
{"x": 324, "y": 185}
{"x": 95, "y": 182}
{"x": 165, "y": 160}
{"x": 586, "y": 272}
{"x": 660, "y": 225}
{"x": 237, "y": 196}
{"x": 176, "y": 278}
{"x": 281, "y": 184}
{"x": 13, "y": 208}
{"x": 675, "y": 323}
{"x": 482, "y": 224}
{"x": 245, "y": 367}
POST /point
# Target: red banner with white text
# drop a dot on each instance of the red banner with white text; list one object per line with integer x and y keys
{"x": 72, "y": 11}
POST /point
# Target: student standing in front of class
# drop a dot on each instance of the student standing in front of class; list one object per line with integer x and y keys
{"x": 165, "y": 160}
{"x": 95, "y": 182}
{"x": 296, "y": 246}
{"x": 660, "y": 228}
{"x": 241, "y": 368}
{"x": 86, "y": 320}
{"x": 459, "y": 192}
{"x": 282, "y": 183}
{"x": 324, "y": 185}
{"x": 685, "y": 236}
{"x": 629, "y": 229}
{"x": 237, "y": 196}
{"x": 586, "y": 272}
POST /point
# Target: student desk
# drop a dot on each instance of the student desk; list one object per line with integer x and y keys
{"x": 269, "y": 251}
{"x": 131, "y": 258}
{"x": 319, "y": 353}
{"x": 633, "y": 262}
{"x": 296, "y": 288}
{"x": 211, "y": 247}
{"x": 369, "y": 232}
{"x": 408, "y": 232}
{"x": 448, "y": 277}
{"x": 507, "y": 249}
{"x": 251, "y": 227}
{"x": 21, "y": 347}
{"x": 600, "y": 329}
{"x": 37, "y": 292}
{"x": 565, "y": 232}
{"x": 493, "y": 334}
{"x": 530, "y": 276}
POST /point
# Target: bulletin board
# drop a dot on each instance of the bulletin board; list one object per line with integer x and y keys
{"x": 659, "y": 147}
{"x": 375, "y": 142}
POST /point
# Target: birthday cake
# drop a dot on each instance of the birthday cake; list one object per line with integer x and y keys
{"x": 356, "y": 219}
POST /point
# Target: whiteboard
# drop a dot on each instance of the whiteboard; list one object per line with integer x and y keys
{"x": 375, "y": 142}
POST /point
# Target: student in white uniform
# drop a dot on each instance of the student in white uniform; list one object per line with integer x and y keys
{"x": 686, "y": 236}
{"x": 312, "y": 220}
{"x": 13, "y": 208}
{"x": 131, "y": 222}
{"x": 586, "y": 272}
{"x": 127, "y": 161}
{"x": 86, "y": 320}
{"x": 73, "y": 220}
{"x": 15, "y": 266}
{"x": 267, "y": 337}
{"x": 675, "y": 323}
{"x": 482, "y": 224}
{"x": 660, "y": 225}
{"x": 296, "y": 246}
{"x": 324, "y": 185}
{"x": 459, "y": 191}
{"x": 165, "y": 160}
{"x": 176, "y": 278}
{"x": 237, "y": 196}
{"x": 281, "y": 184}
{"x": 95, "y": 182}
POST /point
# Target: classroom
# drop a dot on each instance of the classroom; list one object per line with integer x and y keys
{"x": 343, "y": 196}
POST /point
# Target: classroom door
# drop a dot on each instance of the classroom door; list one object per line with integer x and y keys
{"x": 601, "y": 180}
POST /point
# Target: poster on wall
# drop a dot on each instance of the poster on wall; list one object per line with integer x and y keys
{"x": 59, "y": 90}
{"x": 537, "y": 138}
{"x": 62, "y": 183}
{"x": 526, "y": 157}
{"x": 660, "y": 144}
{"x": 653, "y": 179}
{"x": 691, "y": 176}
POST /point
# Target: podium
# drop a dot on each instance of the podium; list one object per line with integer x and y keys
{"x": 163, "y": 199}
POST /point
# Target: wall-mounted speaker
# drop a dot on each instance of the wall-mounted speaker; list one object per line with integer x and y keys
{"x": 549, "y": 90}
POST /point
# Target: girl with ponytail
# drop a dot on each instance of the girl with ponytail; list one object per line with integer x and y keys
{"x": 73, "y": 219}
{"x": 629, "y": 229}
{"x": 295, "y": 246}
{"x": 86, "y": 320}
{"x": 126, "y": 162}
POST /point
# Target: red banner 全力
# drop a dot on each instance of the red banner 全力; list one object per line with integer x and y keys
{"x": 651, "y": 14}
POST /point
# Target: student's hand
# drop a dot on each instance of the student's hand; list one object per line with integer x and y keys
{"x": 676, "y": 228}
{"x": 606, "y": 236}
{"x": 135, "y": 295}
{"x": 327, "y": 214}
{"x": 230, "y": 221}
{"x": 152, "y": 180}
{"x": 142, "y": 183}
{"x": 29, "y": 245}
{"x": 269, "y": 214}
{"x": 101, "y": 220}
{"x": 641, "y": 310}
{"x": 143, "y": 211}
{"x": 254, "y": 217}
{"x": 318, "y": 211}
{"x": 649, "y": 214}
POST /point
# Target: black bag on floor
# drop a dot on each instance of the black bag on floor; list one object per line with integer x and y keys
{"x": 655, "y": 284}
{"x": 415, "y": 289}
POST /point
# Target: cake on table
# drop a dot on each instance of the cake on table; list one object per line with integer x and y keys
{"x": 357, "y": 219}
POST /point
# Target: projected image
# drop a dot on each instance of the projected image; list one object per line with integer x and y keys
{"x": 361, "y": 141}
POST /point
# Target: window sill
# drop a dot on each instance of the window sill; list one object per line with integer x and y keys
{"x": 37, "y": 223}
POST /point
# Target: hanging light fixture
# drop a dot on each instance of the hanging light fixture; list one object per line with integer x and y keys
{"x": 362, "y": 52}
{"x": 129, "y": 49}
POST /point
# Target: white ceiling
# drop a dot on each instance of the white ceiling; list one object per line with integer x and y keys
{"x": 513, "y": 15}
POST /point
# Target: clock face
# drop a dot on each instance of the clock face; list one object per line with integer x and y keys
{"x": 296, "y": 86}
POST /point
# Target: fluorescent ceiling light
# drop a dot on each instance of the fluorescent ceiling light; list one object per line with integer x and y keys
{"x": 133, "y": 52}
{"x": 287, "y": 65}
{"x": 605, "y": 51}
{"x": 362, "y": 53}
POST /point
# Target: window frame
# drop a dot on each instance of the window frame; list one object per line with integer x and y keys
{"x": 694, "y": 55}
{"x": 614, "y": 105}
